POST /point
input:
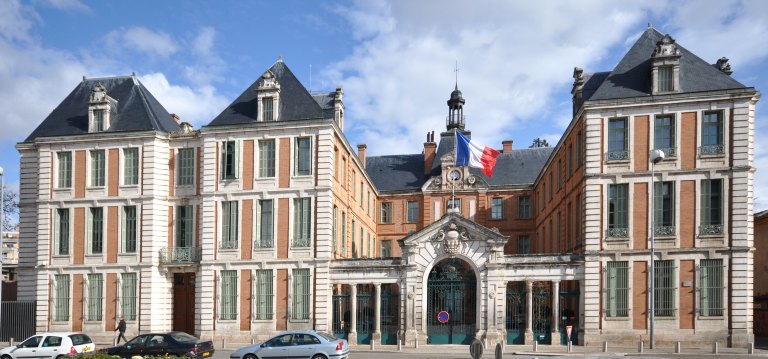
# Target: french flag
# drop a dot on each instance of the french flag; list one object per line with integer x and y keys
{"x": 474, "y": 155}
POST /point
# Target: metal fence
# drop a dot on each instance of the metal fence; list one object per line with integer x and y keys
{"x": 17, "y": 320}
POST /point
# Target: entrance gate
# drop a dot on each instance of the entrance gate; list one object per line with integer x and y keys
{"x": 451, "y": 289}
{"x": 569, "y": 309}
{"x": 516, "y": 313}
{"x": 364, "y": 316}
{"x": 542, "y": 313}
{"x": 341, "y": 315}
{"x": 390, "y": 313}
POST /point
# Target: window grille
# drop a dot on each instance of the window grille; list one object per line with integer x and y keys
{"x": 264, "y": 294}
{"x": 129, "y": 297}
{"x": 130, "y": 166}
{"x": 97, "y": 168}
{"x": 61, "y": 234}
{"x": 524, "y": 245}
{"x": 617, "y": 289}
{"x": 266, "y": 229}
{"x": 302, "y": 222}
{"x": 229, "y": 225}
{"x": 267, "y": 158}
{"x": 711, "y": 207}
{"x": 96, "y": 232}
{"x": 664, "y": 208}
{"x": 65, "y": 169}
{"x": 129, "y": 229}
{"x": 664, "y": 288}
{"x": 303, "y": 158}
{"x": 413, "y": 211}
{"x": 98, "y": 120}
{"x": 186, "y": 166}
{"x": 712, "y": 133}
{"x": 524, "y": 207}
{"x": 95, "y": 297}
{"x": 61, "y": 298}
{"x": 343, "y": 236}
{"x": 666, "y": 81}
{"x": 617, "y": 140}
{"x": 229, "y": 300}
{"x": 184, "y": 227}
{"x": 664, "y": 134}
{"x": 335, "y": 232}
{"x": 301, "y": 294}
{"x": 268, "y": 114}
{"x": 711, "y": 287}
{"x": 386, "y": 249}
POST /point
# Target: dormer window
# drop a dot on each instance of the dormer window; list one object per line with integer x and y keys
{"x": 666, "y": 66}
{"x": 98, "y": 120}
{"x": 267, "y": 112}
{"x": 268, "y": 98}
{"x": 666, "y": 82}
{"x": 101, "y": 109}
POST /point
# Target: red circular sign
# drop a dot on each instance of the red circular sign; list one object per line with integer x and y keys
{"x": 443, "y": 317}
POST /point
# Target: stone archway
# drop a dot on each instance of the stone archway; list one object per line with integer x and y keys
{"x": 451, "y": 288}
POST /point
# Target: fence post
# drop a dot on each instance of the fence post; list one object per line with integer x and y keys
{"x": 715, "y": 348}
{"x": 677, "y": 348}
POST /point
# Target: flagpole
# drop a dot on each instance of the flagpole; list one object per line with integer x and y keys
{"x": 455, "y": 157}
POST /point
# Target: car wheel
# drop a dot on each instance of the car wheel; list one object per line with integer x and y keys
{"x": 6, "y": 357}
{"x": 250, "y": 356}
{"x": 319, "y": 356}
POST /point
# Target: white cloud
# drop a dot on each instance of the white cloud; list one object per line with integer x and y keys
{"x": 196, "y": 105}
{"x": 203, "y": 42}
{"x": 69, "y": 5}
{"x": 140, "y": 39}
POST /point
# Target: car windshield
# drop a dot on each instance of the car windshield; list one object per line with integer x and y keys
{"x": 31, "y": 342}
{"x": 327, "y": 336}
{"x": 183, "y": 337}
{"x": 137, "y": 341}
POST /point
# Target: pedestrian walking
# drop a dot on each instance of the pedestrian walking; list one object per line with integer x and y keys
{"x": 121, "y": 329}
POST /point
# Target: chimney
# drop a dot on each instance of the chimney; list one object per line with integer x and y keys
{"x": 507, "y": 146}
{"x": 430, "y": 147}
{"x": 361, "y": 153}
{"x": 175, "y": 117}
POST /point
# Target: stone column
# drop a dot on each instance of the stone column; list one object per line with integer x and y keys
{"x": 353, "y": 315}
{"x": 377, "y": 313}
{"x": 529, "y": 312}
{"x": 555, "y": 312}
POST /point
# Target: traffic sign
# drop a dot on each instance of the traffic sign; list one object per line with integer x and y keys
{"x": 443, "y": 317}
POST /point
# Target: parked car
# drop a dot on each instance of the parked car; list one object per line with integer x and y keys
{"x": 50, "y": 345}
{"x": 296, "y": 344}
{"x": 160, "y": 344}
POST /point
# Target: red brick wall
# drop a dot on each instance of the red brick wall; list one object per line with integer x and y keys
{"x": 110, "y": 289}
{"x": 114, "y": 172}
{"x": 640, "y": 152}
{"x": 687, "y": 214}
{"x": 640, "y": 295}
{"x": 79, "y": 169}
{"x": 640, "y": 216}
{"x": 248, "y": 164}
{"x": 247, "y": 229}
{"x": 78, "y": 247}
{"x": 281, "y": 299}
{"x": 688, "y": 140}
{"x": 245, "y": 300}
{"x": 77, "y": 302}
{"x": 687, "y": 273}
{"x": 282, "y": 227}
{"x": 113, "y": 237}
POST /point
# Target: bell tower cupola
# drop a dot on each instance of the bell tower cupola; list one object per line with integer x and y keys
{"x": 455, "y": 110}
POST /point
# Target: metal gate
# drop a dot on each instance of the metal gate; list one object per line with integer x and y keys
{"x": 542, "y": 313}
{"x": 364, "y": 317}
{"x": 451, "y": 289}
{"x": 18, "y": 320}
{"x": 390, "y": 313}
{"x": 341, "y": 315}
{"x": 569, "y": 312}
{"x": 516, "y": 313}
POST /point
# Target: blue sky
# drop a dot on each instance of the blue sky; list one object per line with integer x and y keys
{"x": 395, "y": 59}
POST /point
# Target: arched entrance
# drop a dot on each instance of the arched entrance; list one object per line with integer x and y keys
{"x": 451, "y": 289}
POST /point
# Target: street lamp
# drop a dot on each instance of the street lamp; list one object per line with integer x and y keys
{"x": 656, "y": 156}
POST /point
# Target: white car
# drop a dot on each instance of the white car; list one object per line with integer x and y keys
{"x": 50, "y": 345}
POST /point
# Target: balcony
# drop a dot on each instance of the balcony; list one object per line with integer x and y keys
{"x": 711, "y": 229}
{"x": 618, "y": 232}
{"x": 617, "y": 156}
{"x": 664, "y": 231}
{"x": 180, "y": 255}
{"x": 711, "y": 150}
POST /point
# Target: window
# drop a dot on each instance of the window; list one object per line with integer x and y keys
{"x": 128, "y": 298}
{"x": 617, "y": 210}
{"x": 617, "y": 140}
{"x": 229, "y": 300}
{"x": 302, "y": 222}
{"x": 264, "y": 294}
{"x": 265, "y": 232}
{"x": 453, "y": 204}
{"x": 386, "y": 249}
{"x": 65, "y": 169}
{"x": 61, "y": 231}
{"x": 711, "y": 207}
{"x": 98, "y": 120}
{"x": 712, "y": 133}
{"x": 570, "y": 159}
{"x": 362, "y": 193}
{"x": 301, "y": 294}
{"x": 268, "y": 113}
{"x": 96, "y": 230}
{"x": 368, "y": 207}
{"x": 497, "y": 208}
{"x": 303, "y": 158}
{"x": 184, "y": 227}
{"x": 130, "y": 166}
{"x": 362, "y": 242}
{"x": 229, "y": 224}
{"x": 711, "y": 290}
{"x": 412, "y": 214}
{"x": 524, "y": 207}
{"x": 551, "y": 181}
{"x": 97, "y": 168}
{"x": 559, "y": 245}
{"x": 61, "y": 298}
{"x": 354, "y": 180}
{"x": 186, "y": 171}
{"x": 344, "y": 174}
{"x": 52, "y": 341}
{"x": 344, "y": 233}
{"x": 370, "y": 246}
{"x": 355, "y": 249}
{"x": 229, "y": 158}
{"x": 664, "y": 134}
{"x": 577, "y": 220}
{"x": 664, "y": 288}
{"x": 386, "y": 212}
{"x": 617, "y": 289}
{"x": 95, "y": 296}
{"x": 266, "y": 158}
{"x": 559, "y": 175}
{"x": 551, "y": 237}
{"x": 666, "y": 82}
{"x": 578, "y": 150}
{"x": 335, "y": 232}
{"x": 128, "y": 244}
{"x": 664, "y": 208}
{"x": 524, "y": 245}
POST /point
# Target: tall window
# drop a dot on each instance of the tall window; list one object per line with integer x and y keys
{"x": 362, "y": 193}
{"x": 229, "y": 225}
{"x": 335, "y": 232}
{"x": 61, "y": 298}
{"x": 128, "y": 298}
{"x": 97, "y": 168}
{"x": 302, "y": 222}
{"x": 186, "y": 171}
{"x": 267, "y": 105}
{"x": 712, "y": 133}
{"x": 386, "y": 212}
{"x": 95, "y": 296}
{"x": 61, "y": 231}
{"x": 664, "y": 208}
{"x": 128, "y": 244}
{"x": 130, "y": 166}
{"x": 265, "y": 224}
{"x": 412, "y": 214}
{"x": 386, "y": 249}
{"x": 617, "y": 289}
{"x": 524, "y": 207}
{"x": 65, "y": 169}
{"x": 343, "y": 236}
{"x": 551, "y": 237}
{"x": 578, "y": 150}
{"x": 559, "y": 175}
{"x": 264, "y": 294}
{"x": 370, "y": 246}
{"x": 570, "y": 159}
{"x": 558, "y": 230}
{"x": 229, "y": 302}
{"x": 98, "y": 120}
{"x": 303, "y": 156}
{"x": 344, "y": 174}
{"x": 664, "y": 288}
{"x": 184, "y": 227}
{"x": 229, "y": 164}
{"x": 711, "y": 287}
{"x": 664, "y": 134}
{"x": 666, "y": 82}
{"x": 453, "y": 204}
{"x": 368, "y": 207}
{"x": 497, "y": 208}
{"x": 96, "y": 230}
{"x": 711, "y": 207}
{"x": 617, "y": 210}
{"x": 352, "y": 190}
{"x": 301, "y": 294}
{"x": 266, "y": 158}
{"x": 355, "y": 248}
{"x": 524, "y": 245}
{"x": 551, "y": 182}
{"x": 617, "y": 139}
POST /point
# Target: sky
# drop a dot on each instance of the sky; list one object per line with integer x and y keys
{"x": 395, "y": 59}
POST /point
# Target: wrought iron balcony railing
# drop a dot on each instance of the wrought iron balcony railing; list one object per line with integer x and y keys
{"x": 669, "y": 151}
{"x": 180, "y": 255}
{"x": 664, "y": 231}
{"x": 618, "y": 232}
{"x": 616, "y": 155}
{"x": 711, "y": 150}
{"x": 710, "y": 229}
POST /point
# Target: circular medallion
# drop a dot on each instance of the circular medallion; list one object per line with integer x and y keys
{"x": 454, "y": 175}
{"x": 443, "y": 317}
{"x": 471, "y": 180}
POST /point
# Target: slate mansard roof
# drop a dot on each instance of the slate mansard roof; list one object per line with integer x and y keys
{"x": 137, "y": 110}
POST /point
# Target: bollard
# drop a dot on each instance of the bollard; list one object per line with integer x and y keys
{"x": 605, "y": 346}
{"x": 715, "y": 348}
{"x": 640, "y": 347}
{"x": 372, "y": 341}
{"x": 751, "y": 348}
{"x": 535, "y": 346}
{"x": 400, "y": 345}
{"x": 570, "y": 346}
{"x": 11, "y": 343}
{"x": 417, "y": 342}
{"x": 677, "y": 348}
{"x": 485, "y": 343}
{"x": 223, "y": 343}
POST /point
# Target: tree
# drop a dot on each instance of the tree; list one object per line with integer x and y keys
{"x": 10, "y": 208}
{"x": 539, "y": 142}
